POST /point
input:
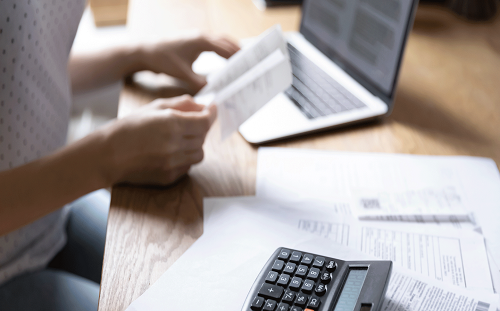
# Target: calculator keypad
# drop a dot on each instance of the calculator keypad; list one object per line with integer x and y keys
{"x": 295, "y": 282}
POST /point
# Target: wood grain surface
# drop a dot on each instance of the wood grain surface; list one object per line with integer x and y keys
{"x": 447, "y": 103}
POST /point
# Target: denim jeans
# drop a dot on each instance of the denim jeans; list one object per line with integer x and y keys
{"x": 71, "y": 280}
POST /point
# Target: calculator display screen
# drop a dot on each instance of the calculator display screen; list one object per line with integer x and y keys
{"x": 350, "y": 292}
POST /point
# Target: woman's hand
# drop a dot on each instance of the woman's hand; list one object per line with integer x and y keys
{"x": 176, "y": 57}
{"x": 159, "y": 143}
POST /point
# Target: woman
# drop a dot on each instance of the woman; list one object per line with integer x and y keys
{"x": 39, "y": 175}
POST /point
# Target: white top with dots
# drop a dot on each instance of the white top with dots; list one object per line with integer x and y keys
{"x": 35, "y": 97}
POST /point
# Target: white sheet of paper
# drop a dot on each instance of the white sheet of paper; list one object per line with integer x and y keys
{"x": 218, "y": 270}
{"x": 454, "y": 256}
{"x": 251, "y": 78}
{"x": 330, "y": 176}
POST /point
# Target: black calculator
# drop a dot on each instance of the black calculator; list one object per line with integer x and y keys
{"x": 293, "y": 280}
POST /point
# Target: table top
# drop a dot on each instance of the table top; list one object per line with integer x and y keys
{"x": 447, "y": 103}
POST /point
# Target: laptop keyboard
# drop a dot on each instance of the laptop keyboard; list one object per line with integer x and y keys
{"x": 316, "y": 93}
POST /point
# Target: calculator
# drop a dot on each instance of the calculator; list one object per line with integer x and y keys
{"x": 293, "y": 280}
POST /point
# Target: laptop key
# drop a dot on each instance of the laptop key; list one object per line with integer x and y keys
{"x": 302, "y": 103}
{"x": 322, "y": 95}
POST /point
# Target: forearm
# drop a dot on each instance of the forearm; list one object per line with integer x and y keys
{"x": 96, "y": 69}
{"x": 36, "y": 189}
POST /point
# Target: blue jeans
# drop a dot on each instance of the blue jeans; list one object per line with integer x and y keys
{"x": 71, "y": 280}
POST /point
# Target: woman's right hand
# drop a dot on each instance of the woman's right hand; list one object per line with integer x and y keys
{"x": 158, "y": 144}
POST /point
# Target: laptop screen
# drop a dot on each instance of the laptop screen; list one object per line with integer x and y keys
{"x": 364, "y": 36}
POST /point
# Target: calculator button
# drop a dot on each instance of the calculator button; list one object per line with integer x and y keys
{"x": 326, "y": 277}
{"x": 301, "y": 299}
{"x": 270, "y": 291}
{"x": 318, "y": 262}
{"x": 331, "y": 266}
{"x": 301, "y": 271}
{"x": 313, "y": 274}
{"x": 278, "y": 265}
{"x": 307, "y": 287}
{"x": 313, "y": 303}
{"x": 295, "y": 308}
{"x": 307, "y": 259}
{"x": 272, "y": 276}
{"x": 289, "y": 296}
{"x": 320, "y": 289}
{"x": 284, "y": 254}
{"x": 283, "y": 307}
{"x": 295, "y": 284}
{"x": 289, "y": 268}
{"x": 257, "y": 303}
{"x": 270, "y": 305}
{"x": 283, "y": 280}
{"x": 296, "y": 257}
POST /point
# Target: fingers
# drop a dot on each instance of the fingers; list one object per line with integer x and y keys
{"x": 181, "y": 103}
{"x": 220, "y": 45}
{"x": 196, "y": 122}
{"x": 183, "y": 158}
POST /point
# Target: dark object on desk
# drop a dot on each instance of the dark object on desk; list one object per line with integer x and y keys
{"x": 479, "y": 10}
{"x": 293, "y": 280}
{"x": 475, "y": 9}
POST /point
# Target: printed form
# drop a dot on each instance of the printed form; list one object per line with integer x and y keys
{"x": 375, "y": 185}
{"x": 450, "y": 255}
{"x": 334, "y": 178}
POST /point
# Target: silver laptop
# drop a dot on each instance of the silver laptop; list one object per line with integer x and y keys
{"x": 345, "y": 62}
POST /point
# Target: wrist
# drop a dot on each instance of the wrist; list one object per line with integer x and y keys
{"x": 135, "y": 57}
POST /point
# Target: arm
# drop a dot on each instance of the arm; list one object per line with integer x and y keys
{"x": 174, "y": 129}
{"x": 175, "y": 58}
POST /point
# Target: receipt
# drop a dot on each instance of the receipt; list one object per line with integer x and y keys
{"x": 251, "y": 78}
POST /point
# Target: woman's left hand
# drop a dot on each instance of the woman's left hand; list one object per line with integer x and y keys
{"x": 175, "y": 58}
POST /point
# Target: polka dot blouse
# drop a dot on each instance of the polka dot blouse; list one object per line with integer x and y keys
{"x": 35, "y": 98}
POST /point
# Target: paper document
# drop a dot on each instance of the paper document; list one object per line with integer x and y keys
{"x": 376, "y": 185}
{"x": 218, "y": 270}
{"x": 250, "y": 79}
{"x": 334, "y": 177}
{"x": 409, "y": 291}
{"x": 450, "y": 255}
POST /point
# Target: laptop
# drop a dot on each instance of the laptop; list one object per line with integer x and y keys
{"x": 345, "y": 62}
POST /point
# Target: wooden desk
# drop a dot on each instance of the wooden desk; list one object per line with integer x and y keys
{"x": 448, "y": 103}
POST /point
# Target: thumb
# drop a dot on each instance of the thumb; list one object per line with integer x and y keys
{"x": 195, "y": 81}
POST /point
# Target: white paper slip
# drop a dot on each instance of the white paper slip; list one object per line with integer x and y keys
{"x": 456, "y": 257}
{"x": 248, "y": 57}
{"x": 251, "y": 78}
